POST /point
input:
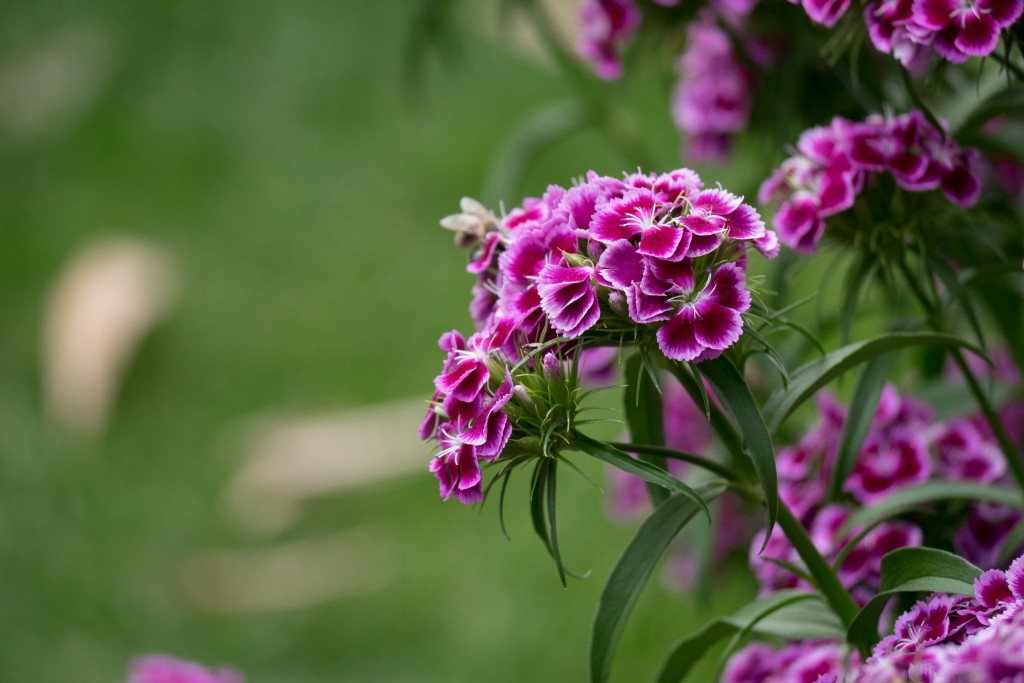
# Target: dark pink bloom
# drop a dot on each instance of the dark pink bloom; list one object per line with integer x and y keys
{"x": 966, "y": 28}
{"x": 826, "y": 12}
{"x": 568, "y": 297}
{"x": 714, "y": 95}
{"x": 983, "y": 533}
{"x": 165, "y": 669}
{"x": 799, "y": 224}
{"x": 964, "y": 454}
{"x": 604, "y": 26}
{"x": 708, "y": 320}
{"x": 884, "y": 467}
{"x": 640, "y": 213}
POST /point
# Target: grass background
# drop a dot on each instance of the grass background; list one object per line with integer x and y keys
{"x": 276, "y": 149}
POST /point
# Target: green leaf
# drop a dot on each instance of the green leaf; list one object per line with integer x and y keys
{"x": 858, "y": 421}
{"x": 808, "y": 378}
{"x": 911, "y": 570}
{"x": 859, "y": 278}
{"x": 734, "y": 394}
{"x": 553, "y": 526}
{"x": 646, "y": 471}
{"x": 630, "y": 574}
{"x": 644, "y": 413}
{"x": 788, "y": 614}
{"x": 956, "y": 291}
{"x": 671, "y": 453}
{"x": 914, "y": 496}
{"x": 1009, "y": 100}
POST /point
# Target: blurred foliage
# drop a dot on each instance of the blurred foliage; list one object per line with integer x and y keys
{"x": 275, "y": 149}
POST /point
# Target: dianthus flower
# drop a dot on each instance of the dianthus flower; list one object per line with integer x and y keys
{"x": 165, "y": 669}
{"x": 604, "y": 25}
{"x": 904, "y": 447}
{"x": 966, "y": 28}
{"x": 942, "y": 639}
{"x": 715, "y": 93}
{"x": 649, "y": 255}
{"x": 835, "y": 163}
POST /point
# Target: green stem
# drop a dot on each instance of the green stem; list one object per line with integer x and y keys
{"x": 719, "y": 422}
{"x": 663, "y": 452}
{"x": 828, "y": 582}
{"x": 936, "y": 320}
{"x": 1008, "y": 65}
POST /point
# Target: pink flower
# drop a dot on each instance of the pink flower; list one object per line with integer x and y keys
{"x": 708, "y": 319}
{"x": 966, "y": 28}
{"x": 165, "y": 669}
{"x": 714, "y": 95}
{"x": 826, "y": 12}
{"x": 568, "y": 296}
{"x": 604, "y": 26}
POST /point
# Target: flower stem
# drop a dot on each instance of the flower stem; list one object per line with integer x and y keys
{"x": 936, "y": 320}
{"x": 663, "y": 452}
{"x": 828, "y": 582}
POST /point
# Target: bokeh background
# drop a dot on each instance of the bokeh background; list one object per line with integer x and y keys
{"x": 221, "y": 284}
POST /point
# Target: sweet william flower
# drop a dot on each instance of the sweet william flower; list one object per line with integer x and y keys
{"x": 604, "y": 26}
{"x": 966, "y": 28}
{"x": 166, "y": 669}
{"x": 708, "y": 320}
{"x": 568, "y": 297}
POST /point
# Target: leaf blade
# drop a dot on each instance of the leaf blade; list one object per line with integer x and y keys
{"x": 630, "y": 575}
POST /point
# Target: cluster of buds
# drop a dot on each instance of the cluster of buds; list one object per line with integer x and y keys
{"x": 835, "y": 162}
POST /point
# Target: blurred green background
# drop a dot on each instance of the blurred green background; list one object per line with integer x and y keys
{"x": 280, "y": 153}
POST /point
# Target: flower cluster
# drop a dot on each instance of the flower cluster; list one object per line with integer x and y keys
{"x": 165, "y": 669}
{"x": 956, "y": 29}
{"x": 835, "y": 163}
{"x": 648, "y": 254}
{"x": 904, "y": 447}
{"x": 944, "y": 639}
{"x": 715, "y": 93}
{"x": 466, "y": 417}
{"x": 604, "y": 25}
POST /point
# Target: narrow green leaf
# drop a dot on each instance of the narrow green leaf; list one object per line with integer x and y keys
{"x": 858, "y": 421}
{"x": 552, "y": 522}
{"x": 537, "y": 503}
{"x": 644, "y": 414}
{"x": 911, "y": 570}
{"x": 1009, "y": 100}
{"x": 673, "y": 454}
{"x": 734, "y": 394}
{"x": 629, "y": 577}
{"x": 788, "y": 614}
{"x": 914, "y": 496}
{"x": 723, "y": 429}
{"x": 956, "y": 291}
{"x": 808, "y": 378}
{"x": 646, "y": 471}
{"x": 861, "y": 274}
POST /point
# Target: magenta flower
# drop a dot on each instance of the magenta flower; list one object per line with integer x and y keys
{"x": 966, "y": 28}
{"x": 708, "y": 320}
{"x": 826, "y": 12}
{"x": 568, "y": 297}
{"x": 640, "y": 213}
{"x": 714, "y": 95}
{"x": 604, "y": 26}
{"x": 165, "y": 669}
{"x": 886, "y": 467}
{"x": 836, "y": 162}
